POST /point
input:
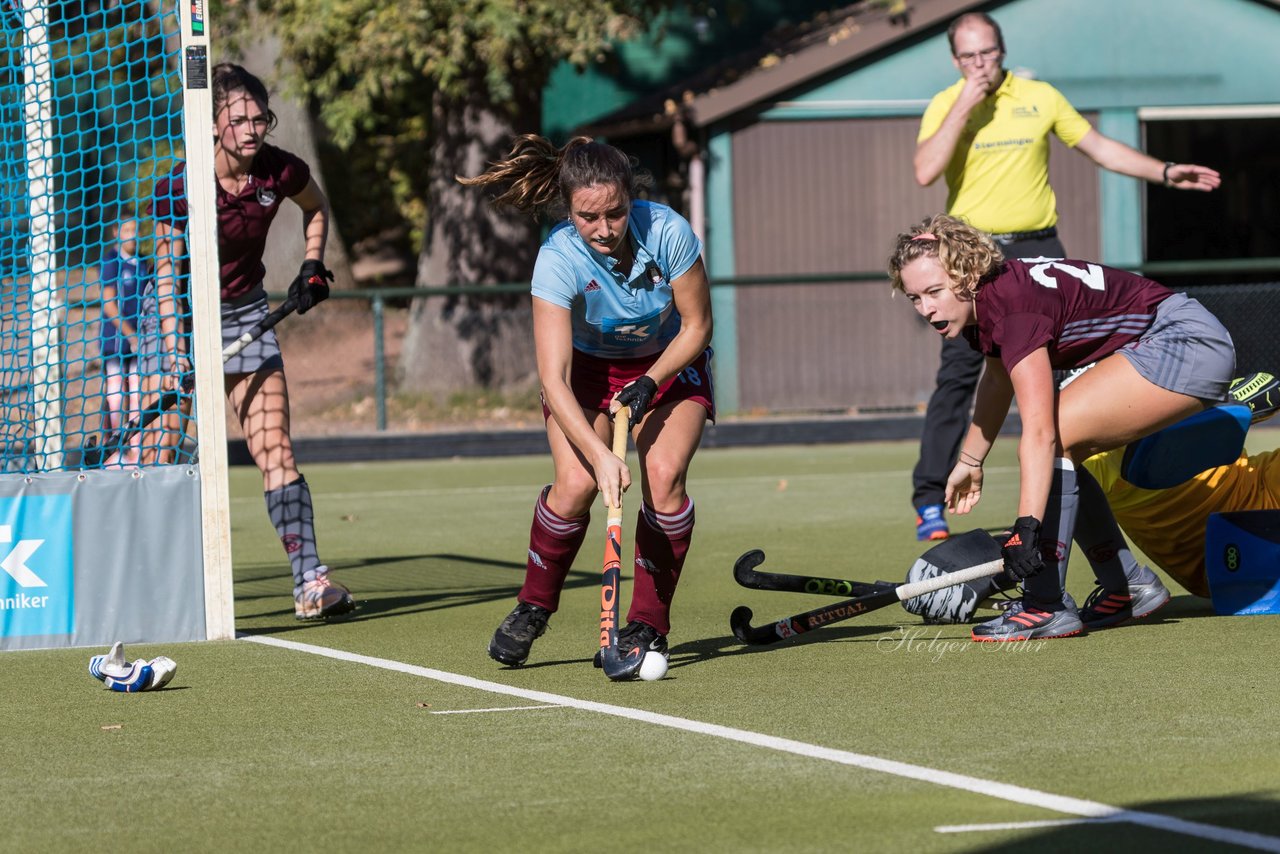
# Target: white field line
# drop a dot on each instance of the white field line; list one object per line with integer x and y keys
{"x": 1021, "y": 825}
{"x": 523, "y": 488}
{"x": 498, "y": 709}
{"x": 963, "y": 782}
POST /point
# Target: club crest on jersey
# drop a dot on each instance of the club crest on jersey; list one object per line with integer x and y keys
{"x": 266, "y": 196}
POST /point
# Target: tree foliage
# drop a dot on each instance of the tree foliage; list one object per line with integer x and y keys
{"x": 373, "y": 71}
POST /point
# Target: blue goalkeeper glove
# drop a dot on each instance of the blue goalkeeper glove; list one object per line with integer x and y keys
{"x": 112, "y": 670}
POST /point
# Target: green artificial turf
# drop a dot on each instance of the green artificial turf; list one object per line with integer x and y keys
{"x": 269, "y": 749}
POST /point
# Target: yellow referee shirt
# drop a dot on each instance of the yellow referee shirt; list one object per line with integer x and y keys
{"x": 1168, "y": 524}
{"x": 998, "y": 177}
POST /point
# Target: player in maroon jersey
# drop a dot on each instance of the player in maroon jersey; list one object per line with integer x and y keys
{"x": 1031, "y": 318}
{"x": 254, "y": 178}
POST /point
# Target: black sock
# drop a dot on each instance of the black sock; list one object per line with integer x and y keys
{"x": 1099, "y": 537}
{"x": 1044, "y": 589}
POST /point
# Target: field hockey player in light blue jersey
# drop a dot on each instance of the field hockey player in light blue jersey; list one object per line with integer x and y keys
{"x": 621, "y": 311}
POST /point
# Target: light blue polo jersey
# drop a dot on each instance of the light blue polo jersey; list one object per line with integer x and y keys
{"x": 616, "y": 313}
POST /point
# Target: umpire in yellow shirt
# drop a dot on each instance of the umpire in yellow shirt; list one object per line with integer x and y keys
{"x": 988, "y": 134}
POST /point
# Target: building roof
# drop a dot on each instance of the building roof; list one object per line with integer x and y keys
{"x": 791, "y": 59}
{"x": 788, "y": 59}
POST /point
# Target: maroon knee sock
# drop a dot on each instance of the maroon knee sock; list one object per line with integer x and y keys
{"x": 662, "y": 541}
{"x": 553, "y": 544}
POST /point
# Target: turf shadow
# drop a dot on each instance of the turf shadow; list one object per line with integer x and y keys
{"x": 697, "y": 651}
{"x": 401, "y": 603}
{"x": 1249, "y": 813}
{"x": 273, "y": 571}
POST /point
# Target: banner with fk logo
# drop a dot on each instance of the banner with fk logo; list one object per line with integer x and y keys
{"x": 91, "y": 558}
{"x": 37, "y": 582}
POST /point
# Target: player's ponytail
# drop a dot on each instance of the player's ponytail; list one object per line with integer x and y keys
{"x": 540, "y": 177}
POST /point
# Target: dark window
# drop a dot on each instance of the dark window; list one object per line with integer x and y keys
{"x": 1239, "y": 220}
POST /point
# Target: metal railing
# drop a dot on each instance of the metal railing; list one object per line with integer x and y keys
{"x": 378, "y": 297}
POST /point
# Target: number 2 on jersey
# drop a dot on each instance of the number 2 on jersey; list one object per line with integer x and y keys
{"x": 1090, "y": 276}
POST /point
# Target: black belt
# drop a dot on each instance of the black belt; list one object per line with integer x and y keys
{"x": 1014, "y": 236}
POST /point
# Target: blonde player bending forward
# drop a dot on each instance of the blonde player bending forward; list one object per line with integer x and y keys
{"x": 1161, "y": 357}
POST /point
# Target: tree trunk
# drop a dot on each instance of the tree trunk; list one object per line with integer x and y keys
{"x": 457, "y": 342}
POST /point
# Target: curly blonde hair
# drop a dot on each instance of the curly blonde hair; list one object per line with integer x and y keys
{"x": 965, "y": 253}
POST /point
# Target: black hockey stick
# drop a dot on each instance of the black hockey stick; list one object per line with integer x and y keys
{"x": 746, "y": 574}
{"x": 94, "y": 454}
{"x": 740, "y": 619}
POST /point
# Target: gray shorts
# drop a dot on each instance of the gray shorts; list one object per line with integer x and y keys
{"x": 262, "y": 354}
{"x": 151, "y": 345}
{"x": 1186, "y": 350}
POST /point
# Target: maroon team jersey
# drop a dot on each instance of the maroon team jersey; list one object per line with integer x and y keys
{"x": 243, "y": 219}
{"x": 1080, "y": 310}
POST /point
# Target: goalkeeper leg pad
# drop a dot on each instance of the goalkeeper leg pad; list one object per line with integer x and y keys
{"x": 142, "y": 675}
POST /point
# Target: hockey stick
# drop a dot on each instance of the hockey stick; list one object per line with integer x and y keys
{"x": 740, "y": 619}
{"x": 746, "y": 574}
{"x": 279, "y": 313}
{"x": 93, "y": 455}
{"x": 616, "y": 668}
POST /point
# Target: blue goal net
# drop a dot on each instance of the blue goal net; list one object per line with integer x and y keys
{"x": 111, "y": 529}
{"x": 91, "y": 117}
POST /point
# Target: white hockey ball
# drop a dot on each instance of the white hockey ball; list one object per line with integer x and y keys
{"x": 654, "y": 666}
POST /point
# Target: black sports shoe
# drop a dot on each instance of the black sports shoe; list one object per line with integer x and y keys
{"x": 636, "y": 634}
{"x": 1020, "y": 622}
{"x": 513, "y": 639}
{"x": 1105, "y": 608}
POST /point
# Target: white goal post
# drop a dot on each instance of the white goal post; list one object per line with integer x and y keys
{"x": 103, "y": 538}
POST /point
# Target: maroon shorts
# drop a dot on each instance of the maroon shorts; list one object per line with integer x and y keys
{"x": 595, "y": 381}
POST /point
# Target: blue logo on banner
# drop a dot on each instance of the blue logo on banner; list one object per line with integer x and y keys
{"x": 37, "y": 581}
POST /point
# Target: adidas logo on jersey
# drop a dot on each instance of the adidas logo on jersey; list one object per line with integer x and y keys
{"x": 592, "y": 285}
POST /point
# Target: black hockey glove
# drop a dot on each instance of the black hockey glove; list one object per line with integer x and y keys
{"x": 309, "y": 288}
{"x": 638, "y": 395}
{"x": 1022, "y": 558}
